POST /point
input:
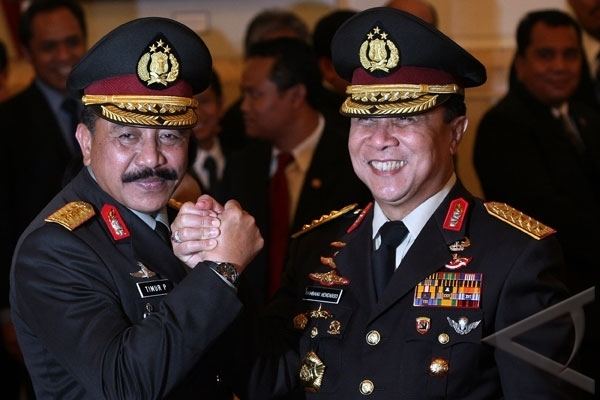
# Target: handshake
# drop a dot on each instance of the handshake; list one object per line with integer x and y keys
{"x": 206, "y": 230}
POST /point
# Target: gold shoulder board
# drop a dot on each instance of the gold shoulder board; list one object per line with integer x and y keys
{"x": 323, "y": 219}
{"x": 72, "y": 215}
{"x": 175, "y": 204}
{"x": 516, "y": 218}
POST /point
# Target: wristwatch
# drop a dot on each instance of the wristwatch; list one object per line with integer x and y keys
{"x": 226, "y": 270}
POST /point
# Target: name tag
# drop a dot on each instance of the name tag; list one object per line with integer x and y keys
{"x": 322, "y": 294}
{"x": 159, "y": 287}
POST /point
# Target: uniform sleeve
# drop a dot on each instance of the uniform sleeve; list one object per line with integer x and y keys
{"x": 531, "y": 287}
{"x": 64, "y": 295}
{"x": 275, "y": 372}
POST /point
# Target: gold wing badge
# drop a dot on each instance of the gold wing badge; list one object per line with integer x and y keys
{"x": 378, "y": 52}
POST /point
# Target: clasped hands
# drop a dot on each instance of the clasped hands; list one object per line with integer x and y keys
{"x": 207, "y": 230}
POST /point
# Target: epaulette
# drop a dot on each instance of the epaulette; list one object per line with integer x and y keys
{"x": 174, "y": 204}
{"x": 516, "y": 218}
{"x": 323, "y": 219}
{"x": 72, "y": 214}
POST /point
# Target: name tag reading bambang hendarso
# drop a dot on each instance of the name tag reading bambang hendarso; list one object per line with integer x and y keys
{"x": 322, "y": 294}
{"x": 159, "y": 287}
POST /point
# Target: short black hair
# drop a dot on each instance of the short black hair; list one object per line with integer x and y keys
{"x": 454, "y": 107}
{"x": 326, "y": 28}
{"x": 295, "y": 63}
{"x": 89, "y": 118}
{"x": 550, "y": 17}
{"x": 43, "y": 6}
{"x": 272, "y": 20}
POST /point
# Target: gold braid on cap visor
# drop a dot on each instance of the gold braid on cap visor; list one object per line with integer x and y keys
{"x": 152, "y": 111}
{"x": 378, "y": 100}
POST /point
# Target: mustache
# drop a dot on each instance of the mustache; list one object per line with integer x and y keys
{"x": 163, "y": 173}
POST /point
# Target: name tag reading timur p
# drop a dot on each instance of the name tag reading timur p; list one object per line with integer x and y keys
{"x": 158, "y": 287}
{"x": 322, "y": 294}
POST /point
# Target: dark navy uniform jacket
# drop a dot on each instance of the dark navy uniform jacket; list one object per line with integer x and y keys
{"x": 380, "y": 350}
{"x": 89, "y": 330}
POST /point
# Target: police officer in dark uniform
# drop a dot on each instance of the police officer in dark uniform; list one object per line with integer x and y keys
{"x": 101, "y": 306}
{"x": 392, "y": 301}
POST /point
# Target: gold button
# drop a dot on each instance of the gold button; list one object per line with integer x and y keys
{"x": 314, "y": 332}
{"x": 366, "y": 387}
{"x": 443, "y": 338}
{"x": 438, "y": 367}
{"x": 373, "y": 338}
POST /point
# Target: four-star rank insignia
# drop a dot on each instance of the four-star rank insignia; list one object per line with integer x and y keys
{"x": 378, "y": 52}
{"x": 158, "y": 65}
{"x": 456, "y": 214}
{"x": 72, "y": 214}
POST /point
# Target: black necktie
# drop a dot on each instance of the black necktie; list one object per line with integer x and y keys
{"x": 392, "y": 233}
{"x": 163, "y": 232}
{"x": 69, "y": 106}
{"x": 210, "y": 166}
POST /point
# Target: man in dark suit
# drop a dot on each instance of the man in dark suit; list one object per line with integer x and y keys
{"x": 549, "y": 163}
{"x": 281, "y": 84}
{"x": 393, "y": 301}
{"x": 208, "y": 155}
{"x": 42, "y": 133}
{"x": 101, "y": 307}
{"x": 268, "y": 24}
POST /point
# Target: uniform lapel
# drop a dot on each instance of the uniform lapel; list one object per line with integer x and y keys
{"x": 428, "y": 254}
{"x": 354, "y": 260}
{"x": 142, "y": 244}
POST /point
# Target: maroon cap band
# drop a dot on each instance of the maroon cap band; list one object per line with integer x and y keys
{"x": 130, "y": 85}
{"x": 405, "y": 76}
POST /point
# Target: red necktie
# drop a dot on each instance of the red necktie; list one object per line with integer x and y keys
{"x": 279, "y": 222}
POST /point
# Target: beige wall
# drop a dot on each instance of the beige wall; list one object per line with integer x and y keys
{"x": 484, "y": 27}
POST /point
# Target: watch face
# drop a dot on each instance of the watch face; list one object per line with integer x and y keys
{"x": 228, "y": 271}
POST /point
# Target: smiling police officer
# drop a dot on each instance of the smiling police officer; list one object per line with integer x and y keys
{"x": 393, "y": 301}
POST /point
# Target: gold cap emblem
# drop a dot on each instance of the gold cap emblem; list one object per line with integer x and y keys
{"x": 378, "y": 52}
{"x": 159, "y": 65}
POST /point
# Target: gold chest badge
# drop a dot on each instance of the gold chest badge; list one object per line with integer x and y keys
{"x": 159, "y": 65}
{"x": 378, "y": 52}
